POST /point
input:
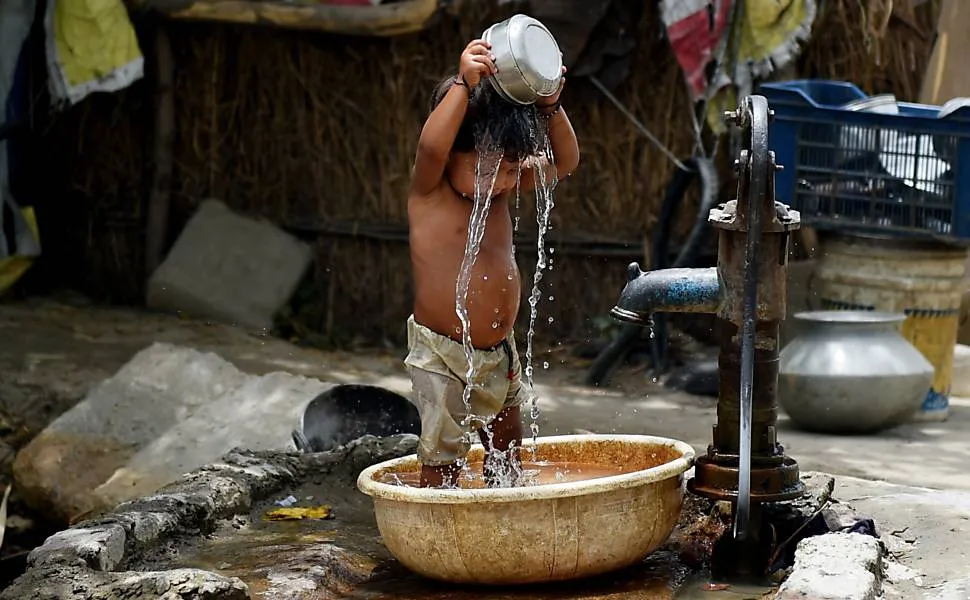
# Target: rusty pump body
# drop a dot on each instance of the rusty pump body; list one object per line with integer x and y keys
{"x": 747, "y": 291}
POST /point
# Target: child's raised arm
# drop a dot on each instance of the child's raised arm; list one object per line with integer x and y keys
{"x": 439, "y": 131}
{"x": 562, "y": 138}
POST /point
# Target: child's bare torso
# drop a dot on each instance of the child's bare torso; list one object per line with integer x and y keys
{"x": 438, "y": 234}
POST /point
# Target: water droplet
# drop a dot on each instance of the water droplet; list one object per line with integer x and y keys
{"x": 496, "y": 310}
{"x": 545, "y": 364}
{"x": 551, "y": 319}
{"x": 485, "y": 277}
{"x": 552, "y": 250}
{"x": 654, "y": 379}
{"x": 510, "y": 277}
{"x": 494, "y": 324}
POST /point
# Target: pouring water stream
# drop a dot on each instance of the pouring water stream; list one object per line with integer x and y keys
{"x": 486, "y": 172}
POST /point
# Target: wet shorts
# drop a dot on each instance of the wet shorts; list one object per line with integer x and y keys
{"x": 438, "y": 366}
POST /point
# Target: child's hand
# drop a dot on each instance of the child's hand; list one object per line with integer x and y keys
{"x": 477, "y": 61}
{"x": 549, "y": 101}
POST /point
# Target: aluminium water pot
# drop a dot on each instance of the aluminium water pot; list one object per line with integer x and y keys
{"x": 851, "y": 372}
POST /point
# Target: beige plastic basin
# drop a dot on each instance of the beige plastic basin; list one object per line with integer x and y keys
{"x": 540, "y": 533}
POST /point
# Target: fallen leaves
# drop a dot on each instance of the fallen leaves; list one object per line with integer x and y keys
{"x": 298, "y": 513}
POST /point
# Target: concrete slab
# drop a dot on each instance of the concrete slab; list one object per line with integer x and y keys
{"x": 835, "y": 566}
{"x": 212, "y": 269}
{"x": 169, "y": 410}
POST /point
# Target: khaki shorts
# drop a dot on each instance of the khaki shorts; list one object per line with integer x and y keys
{"x": 438, "y": 367}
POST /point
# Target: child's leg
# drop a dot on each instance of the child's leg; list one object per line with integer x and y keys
{"x": 440, "y": 475}
{"x": 505, "y": 431}
{"x": 442, "y": 441}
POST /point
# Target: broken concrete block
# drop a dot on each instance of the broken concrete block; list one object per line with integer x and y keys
{"x": 100, "y": 548}
{"x": 839, "y": 516}
{"x": 229, "y": 268}
{"x": 835, "y": 566}
{"x": 167, "y": 411}
{"x": 159, "y": 387}
{"x": 960, "y": 385}
{"x": 258, "y": 415}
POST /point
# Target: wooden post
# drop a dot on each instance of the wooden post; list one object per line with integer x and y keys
{"x": 159, "y": 198}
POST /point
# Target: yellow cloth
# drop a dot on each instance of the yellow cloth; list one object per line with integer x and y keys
{"x": 767, "y": 37}
{"x": 91, "y": 47}
{"x": 13, "y": 267}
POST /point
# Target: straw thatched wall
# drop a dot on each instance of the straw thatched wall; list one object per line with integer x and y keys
{"x": 306, "y": 128}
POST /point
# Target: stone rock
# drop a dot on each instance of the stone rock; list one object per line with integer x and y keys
{"x": 839, "y": 516}
{"x": 835, "y": 566}
{"x": 76, "y": 564}
{"x": 73, "y": 583}
{"x": 961, "y": 371}
{"x": 258, "y": 415}
{"x": 166, "y": 412}
{"x": 229, "y": 268}
{"x": 101, "y": 547}
{"x": 159, "y": 387}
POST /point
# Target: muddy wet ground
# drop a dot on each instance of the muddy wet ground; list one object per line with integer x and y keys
{"x": 344, "y": 558}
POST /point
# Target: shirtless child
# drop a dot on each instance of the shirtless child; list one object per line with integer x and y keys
{"x": 439, "y": 207}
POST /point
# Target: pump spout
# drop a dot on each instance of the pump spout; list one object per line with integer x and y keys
{"x": 667, "y": 290}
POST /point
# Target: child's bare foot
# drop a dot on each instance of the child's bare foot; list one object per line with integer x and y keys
{"x": 440, "y": 476}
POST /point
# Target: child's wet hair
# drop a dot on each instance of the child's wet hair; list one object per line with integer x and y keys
{"x": 511, "y": 127}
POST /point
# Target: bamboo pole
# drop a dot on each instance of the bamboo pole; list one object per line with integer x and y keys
{"x": 159, "y": 198}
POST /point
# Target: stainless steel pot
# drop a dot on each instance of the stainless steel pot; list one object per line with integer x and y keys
{"x": 527, "y": 57}
{"x": 851, "y": 372}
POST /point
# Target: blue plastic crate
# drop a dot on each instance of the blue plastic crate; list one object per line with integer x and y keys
{"x": 905, "y": 174}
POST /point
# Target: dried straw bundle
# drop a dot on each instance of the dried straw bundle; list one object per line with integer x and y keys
{"x": 301, "y": 126}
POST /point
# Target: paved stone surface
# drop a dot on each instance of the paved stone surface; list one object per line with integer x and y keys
{"x": 924, "y": 530}
{"x": 211, "y": 269}
{"x": 835, "y": 566}
{"x": 951, "y": 590}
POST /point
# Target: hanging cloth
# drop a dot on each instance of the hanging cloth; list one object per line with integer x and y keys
{"x": 91, "y": 47}
{"x": 22, "y": 245}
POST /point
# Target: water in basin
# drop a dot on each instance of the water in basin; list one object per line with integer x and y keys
{"x": 533, "y": 473}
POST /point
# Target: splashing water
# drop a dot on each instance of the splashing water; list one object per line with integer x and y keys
{"x": 518, "y": 197}
{"x": 544, "y": 186}
{"x": 506, "y": 472}
{"x": 486, "y": 171}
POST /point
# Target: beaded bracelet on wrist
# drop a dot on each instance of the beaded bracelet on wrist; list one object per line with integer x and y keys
{"x": 551, "y": 113}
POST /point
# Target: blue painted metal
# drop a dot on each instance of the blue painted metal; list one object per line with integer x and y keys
{"x": 667, "y": 290}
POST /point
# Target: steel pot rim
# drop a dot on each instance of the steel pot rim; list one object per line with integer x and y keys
{"x": 851, "y": 317}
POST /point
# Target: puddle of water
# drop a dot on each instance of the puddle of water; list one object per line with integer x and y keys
{"x": 533, "y": 473}
{"x": 312, "y": 566}
{"x": 344, "y": 559}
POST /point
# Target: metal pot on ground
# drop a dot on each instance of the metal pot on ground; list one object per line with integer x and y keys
{"x": 851, "y": 372}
